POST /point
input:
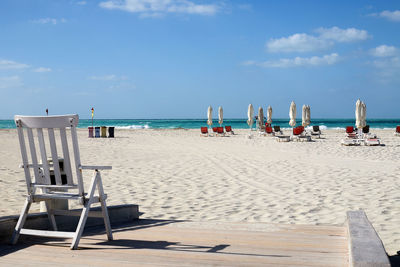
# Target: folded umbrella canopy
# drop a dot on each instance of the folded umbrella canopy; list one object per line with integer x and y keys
{"x": 250, "y": 119}
{"x": 209, "y": 116}
{"x": 306, "y": 116}
{"x": 269, "y": 115}
{"x": 292, "y": 114}
{"x": 260, "y": 117}
{"x": 361, "y": 114}
{"x": 220, "y": 116}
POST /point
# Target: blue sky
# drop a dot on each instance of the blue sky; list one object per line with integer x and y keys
{"x": 173, "y": 58}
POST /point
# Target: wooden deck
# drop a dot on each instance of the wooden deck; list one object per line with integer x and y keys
{"x": 177, "y": 243}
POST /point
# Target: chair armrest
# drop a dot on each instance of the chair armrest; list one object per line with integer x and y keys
{"x": 95, "y": 167}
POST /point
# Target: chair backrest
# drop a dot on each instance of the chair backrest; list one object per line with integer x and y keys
{"x": 316, "y": 128}
{"x": 349, "y": 129}
{"x": 277, "y": 128}
{"x": 268, "y": 129}
{"x": 228, "y": 129}
{"x": 220, "y": 130}
{"x": 214, "y": 129}
{"x": 204, "y": 130}
{"x": 366, "y": 129}
{"x": 398, "y": 129}
{"x": 51, "y": 170}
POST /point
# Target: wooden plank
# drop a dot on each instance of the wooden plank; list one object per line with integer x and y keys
{"x": 67, "y": 160}
{"x": 43, "y": 155}
{"x": 77, "y": 158}
{"x": 48, "y": 121}
{"x": 366, "y": 248}
{"x": 173, "y": 243}
{"x": 59, "y": 234}
{"x": 24, "y": 156}
{"x": 54, "y": 156}
{"x": 32, "y": 148}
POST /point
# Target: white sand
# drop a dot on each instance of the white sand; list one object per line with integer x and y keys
{"x": 176, "y": 174}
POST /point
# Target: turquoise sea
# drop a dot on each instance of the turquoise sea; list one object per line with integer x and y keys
{"x": 197, "y": 123}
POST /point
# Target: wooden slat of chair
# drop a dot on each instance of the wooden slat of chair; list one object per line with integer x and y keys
{"x": 54, "y": 156}
{"x": 67, "y": 160}
{"x": 24, "y": 156}
{"x": 77, "y": 158}
{"x": 32, "y": 148}
{"x": 42, "y": 147}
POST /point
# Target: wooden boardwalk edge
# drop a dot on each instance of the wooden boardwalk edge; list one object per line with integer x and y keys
{"x": 118, "y": 214}
{"x": 365, "y": 247}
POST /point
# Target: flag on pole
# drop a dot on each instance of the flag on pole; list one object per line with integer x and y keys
{"x": 92, "y": 112}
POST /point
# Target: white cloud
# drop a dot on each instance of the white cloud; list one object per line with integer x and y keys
{"x": 302, "y": 42}
{"x": 9, "y": 64}
{"x": 10, "y": 82}
{"x": 49, "y": 21}
{"x": 42, "y": 69}
{"x": 296, "y": 62}
{"x": 299, "y": 42}
{"x": 384, "y": 51}
{"x": 342, "y": 35}
{"x": 150, "y": 7}
{"x": 110, "y": 77}
{"x": 390, "y": 15}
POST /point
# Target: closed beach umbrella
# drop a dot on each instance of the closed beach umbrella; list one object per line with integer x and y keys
{"x": 308, "y": 116}
{"x": 209, "y": 116}
{"x": 260, "y": 117}
{"x": 269, "y": 115}
{"x": 250, "y": 119}
{"x": 358, "y": 114}
{"x": 292, "y": 114}
{"x": 305, "y": 116}
{"x": 363, "y": 114}
{"x": 220, "y": 116}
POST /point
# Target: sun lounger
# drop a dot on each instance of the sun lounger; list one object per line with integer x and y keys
{"x": 372, "y": 142}
{"x": 316, "y": 131}
{"x": 282, "y": 138}
{"x": 269, "y": 130}
{"x": 277, "y": 129}
{"x": 215, "y": 130}
{"x": 349, "y": 129}
{"x": 204, "y": 131}
{"x": 365, "y": 129}
{"x": 350, "y": 142}
{"x": 228, "y": 129}
{"x": 220, "y": 131}
{"x": 397, "y": 132}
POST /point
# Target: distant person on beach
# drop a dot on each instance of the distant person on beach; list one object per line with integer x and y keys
{"x": 47, "y": 111}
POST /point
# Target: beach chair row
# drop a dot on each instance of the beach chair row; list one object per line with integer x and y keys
{"x": 218, "y": 131}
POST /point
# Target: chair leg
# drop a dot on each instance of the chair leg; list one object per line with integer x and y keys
{"x": 50, "y": 214}
{"x": 21, "y": 221}
{"x": 104, "y": 210}
{"x": 84, "y": 214}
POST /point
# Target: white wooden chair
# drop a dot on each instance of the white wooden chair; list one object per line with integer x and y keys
{"x": 42, "y": 188}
